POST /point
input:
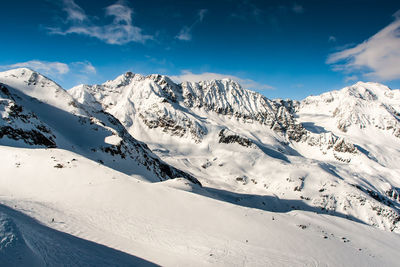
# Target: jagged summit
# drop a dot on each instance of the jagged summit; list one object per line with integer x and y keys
{"x": 158, "y": 102}
{"x": 359, "y": 106}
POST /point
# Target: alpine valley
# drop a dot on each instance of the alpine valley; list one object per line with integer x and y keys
{"x": 141, "y": 170}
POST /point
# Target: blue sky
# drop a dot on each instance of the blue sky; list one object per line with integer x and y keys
{"x": 283, "y": 49}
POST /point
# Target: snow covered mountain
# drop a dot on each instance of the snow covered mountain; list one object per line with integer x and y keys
{"x": 362, "y": 105}
{"x": 37, "y": 112}
{"x": 327, "y": 165}
{"x": 238, "y": 140}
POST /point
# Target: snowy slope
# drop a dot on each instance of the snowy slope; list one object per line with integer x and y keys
{"x": 36, "y": 111}
{"x": 160, "y": 224}
{"x": 26, "y": 242}
{"x": 238, "y": 140}
{"x": 368, "y": 114}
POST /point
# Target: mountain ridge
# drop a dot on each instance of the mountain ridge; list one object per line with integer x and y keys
{"x": 213, "y": 116}
{"x": 206, "y": 173}
{"x": 226, "y": 137}
{"x": 93, "y": 133}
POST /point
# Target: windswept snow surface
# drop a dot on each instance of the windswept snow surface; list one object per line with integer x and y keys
{"x": 170, "y": 223}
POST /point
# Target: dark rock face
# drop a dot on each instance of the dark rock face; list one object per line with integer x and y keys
{"x": 166, "y": 123}
{"x": 175, "y": 127}
{"x": 33, "y": 79}
{"x": 18, "y": 124}
{"x": 285, "y": 122}
{"x": 393, "y": 194}
{"x": 228, "y": 139}
{"x": 342, "y": 146}
{"x": 6, "y": 92}
{"x": 30, "y": 137}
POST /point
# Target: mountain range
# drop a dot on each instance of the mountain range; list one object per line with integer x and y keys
{"x": 142, "y": 170}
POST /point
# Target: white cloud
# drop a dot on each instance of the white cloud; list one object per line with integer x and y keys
{"x": 55, "y": 69}
{"x": 377, "y": 58}
{"x": 351, "y": 78}
{"x": 45, "y": 67}
{"x": 84, "y": 67}
{"x": 185, "y": 34}
{"x": 298, "y": 9}
{"x": 120, "y": 31}
{"x": 74, "y": 12}
{"x": 332, "y": 39}
{"x": 205, "y": 76}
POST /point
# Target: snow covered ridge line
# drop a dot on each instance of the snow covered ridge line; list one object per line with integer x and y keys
{"x": 36, "y": 112}
{"x": 362, "y": 105}
{"x": 157, "y": 102}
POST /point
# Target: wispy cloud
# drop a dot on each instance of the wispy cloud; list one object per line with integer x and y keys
{"x": 120, "y": 31}
{"x": 298, "y": 9}
{"x": 45, "y": 67}
{"x": 351, "y": 78}
{"x": 78, "y": 71}
{"x": 185, "y": 34}
{"x": 84, "y": 67}
{"x": 74, "y": 12}
{"x": 331, "y": 39}
{"x": 377, "y": 58}
{"x": 205, "y": 76}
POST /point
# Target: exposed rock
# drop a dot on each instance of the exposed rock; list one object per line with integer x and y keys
{"x": 233, "y": 138}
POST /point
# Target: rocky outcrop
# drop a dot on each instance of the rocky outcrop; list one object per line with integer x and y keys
{"x": 227, "y": 138}
{"x": 173, "y": 126}
{"x": 20, "y": 125}
{"x": 330, "y": 142}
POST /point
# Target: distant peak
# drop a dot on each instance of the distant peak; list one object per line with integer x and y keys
{"x": 366, "y": 84}
{"x": 31, "y": 77}
{"x": 129, "y": 74}
{"x": 21, "y": 71}
{"x": 363, "y": 89}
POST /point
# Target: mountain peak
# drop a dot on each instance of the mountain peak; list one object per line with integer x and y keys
{"x": 362, "y": 105}
{"x": 368, "y": 87}
{"x": 21, "y": 73}
{"x": 124, "y": 79}
{"x": 29, "y": 76}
